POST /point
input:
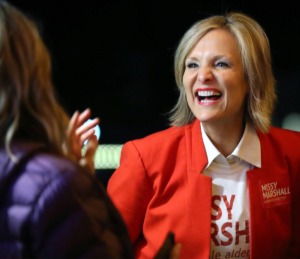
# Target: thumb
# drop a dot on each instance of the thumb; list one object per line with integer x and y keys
{"x": 87, "y": 161}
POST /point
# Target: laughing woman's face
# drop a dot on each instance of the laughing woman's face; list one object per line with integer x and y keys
{"x": 214, "y": 80}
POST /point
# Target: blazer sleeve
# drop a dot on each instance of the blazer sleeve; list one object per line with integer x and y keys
{"x": 130, "y": 189}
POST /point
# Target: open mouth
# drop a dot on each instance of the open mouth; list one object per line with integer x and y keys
{"x": 211, "y": 95}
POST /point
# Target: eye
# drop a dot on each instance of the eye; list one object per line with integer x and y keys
{"x": 191, "y": 65}
{"x": 222, "y": 64}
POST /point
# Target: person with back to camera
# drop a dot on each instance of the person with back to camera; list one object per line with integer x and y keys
{"x": 51, "y": 205}
{"x": 222, "y": 178}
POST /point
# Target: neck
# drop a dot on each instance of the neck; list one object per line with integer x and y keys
{"x": 224, "y": 136}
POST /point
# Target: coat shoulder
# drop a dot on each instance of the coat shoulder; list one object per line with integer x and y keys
{"x": 168, "y": 135}
{"x": 284, "y": 137}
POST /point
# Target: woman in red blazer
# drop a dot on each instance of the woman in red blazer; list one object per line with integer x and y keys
{"x": 221, "y": 178}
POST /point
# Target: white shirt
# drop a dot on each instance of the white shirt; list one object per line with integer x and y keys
{"x": 230, "y": 226}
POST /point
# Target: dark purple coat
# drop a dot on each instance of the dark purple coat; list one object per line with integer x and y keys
{"x": 51, "y": 208}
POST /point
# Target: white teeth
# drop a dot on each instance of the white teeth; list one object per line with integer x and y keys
{"x": 206, "y": 101}
{"x": 207, "y": 93}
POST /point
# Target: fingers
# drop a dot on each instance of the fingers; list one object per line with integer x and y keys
{"x": 68, "y": 145}
{"x": 166, "y": 248}
{"x": 91, "y": 147}
{"x": 86, "y": 127}
{"x": 73, "y": 124}
{"x": 87, "y": 130}
{"x": 86, "y": 114}
{"x": 80, "y": 129}
{"x": 175, "y": 252}
{"x": 78, "y": 119}
{"x": 87, "y": 161}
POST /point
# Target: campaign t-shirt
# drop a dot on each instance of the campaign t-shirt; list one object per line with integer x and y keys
{"x": 230, "y": 216}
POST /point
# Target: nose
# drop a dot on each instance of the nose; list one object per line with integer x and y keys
{"x": 204, "y": 74}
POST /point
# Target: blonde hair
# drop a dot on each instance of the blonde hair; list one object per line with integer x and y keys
{"x": 28, "y": 105}
{"x": 256, "y": 59}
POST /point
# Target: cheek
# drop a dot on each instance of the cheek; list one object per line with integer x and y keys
{"x": 236, "y": 86}
{"x": 184, "y": 80}
{"x": 188, "y": 89}
{"x": 187, "y": 82}
{"x": 239, "y": 96}
{"x": 185, "y": 86}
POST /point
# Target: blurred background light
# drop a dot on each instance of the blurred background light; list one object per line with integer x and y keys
{"x": 291, "y": 121}
{"x": 107, "y": 156}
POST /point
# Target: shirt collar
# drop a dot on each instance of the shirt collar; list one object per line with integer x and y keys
{"x": 211, "y": 151}
{"x": 248, "y": 148}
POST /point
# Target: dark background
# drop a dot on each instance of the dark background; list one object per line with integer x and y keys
{"x": 116, "y": 57}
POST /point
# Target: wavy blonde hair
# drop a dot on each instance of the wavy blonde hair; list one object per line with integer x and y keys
{"x": 256, "y": 59}
{"x": 28, "y": 105}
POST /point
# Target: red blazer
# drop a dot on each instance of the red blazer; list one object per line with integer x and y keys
{"x": 159, "y": 187}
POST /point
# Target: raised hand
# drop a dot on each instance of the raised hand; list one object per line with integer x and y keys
{"x": 77, "y": 133}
